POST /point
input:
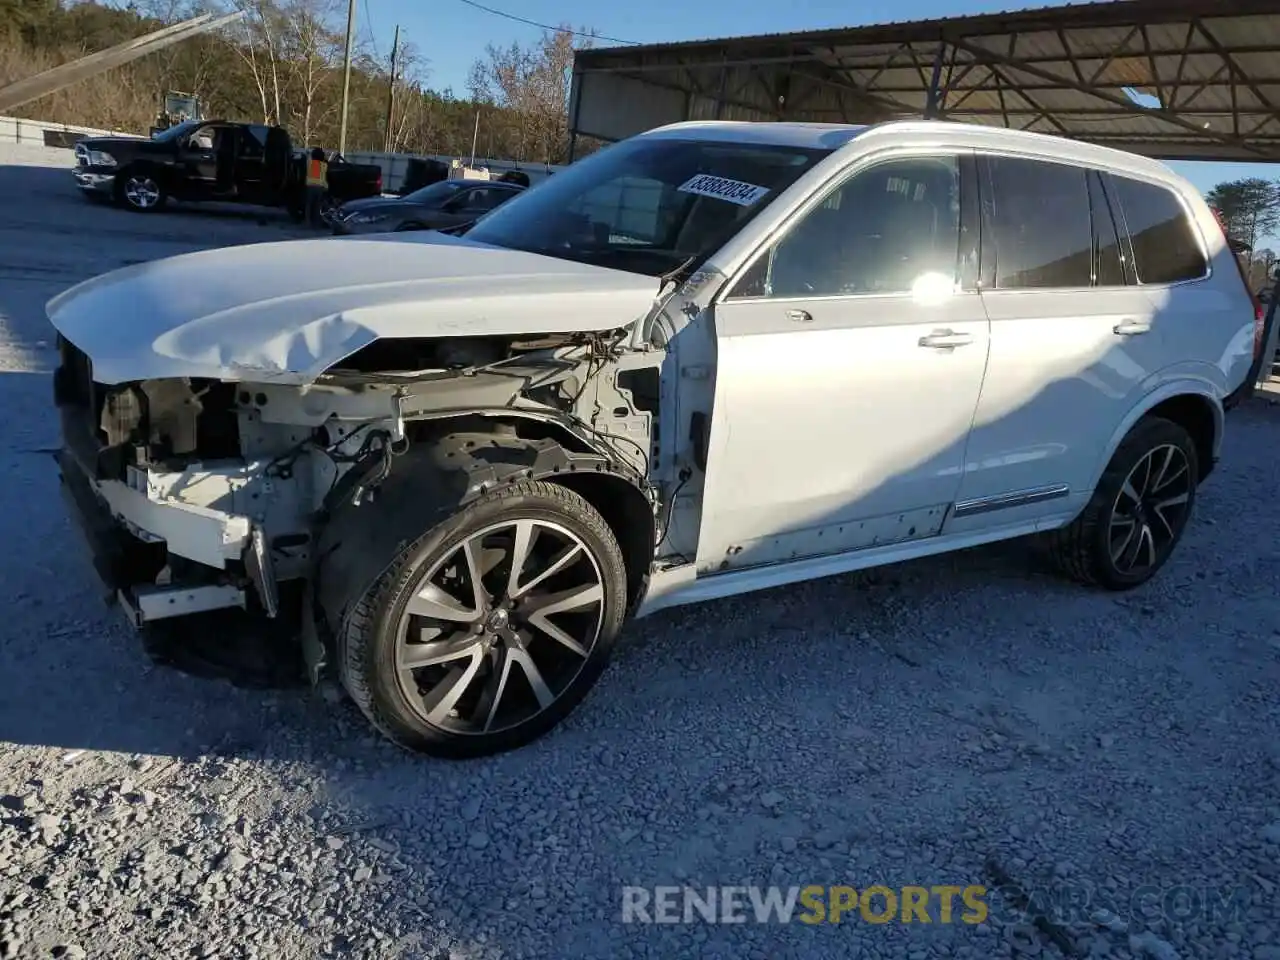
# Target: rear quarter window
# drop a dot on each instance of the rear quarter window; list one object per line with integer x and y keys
{"x": 1166, "y": 244}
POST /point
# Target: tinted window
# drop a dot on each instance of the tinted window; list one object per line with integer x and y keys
{"x": 253, "y": 142}
{"x": 434, "y": 193}
{"x": 1165, "y": 245}
{"x": 257, "y": 134}
{"x": 1044, "y": 234}
{"x": 879, "y": 232}
{"x": 648, "y": 204}
{"x": 485, "y": 198}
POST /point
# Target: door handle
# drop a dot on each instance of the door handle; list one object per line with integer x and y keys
{"x": 1131, "y": 328}
{"x": 800, "y": 316}
{"x": 946, "y": 340}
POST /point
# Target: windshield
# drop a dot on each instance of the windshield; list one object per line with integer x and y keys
{"x": 434, "y": 193}
{"x": 648, "y": 204}
{"x": 173, "y": 133}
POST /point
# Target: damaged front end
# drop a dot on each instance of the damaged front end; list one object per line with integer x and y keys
{"x": 202, "y": 494}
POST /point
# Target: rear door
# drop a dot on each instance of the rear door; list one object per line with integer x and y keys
{"x": 1073, "y": 341}
{"x": 198, "y": 159}
{"x": 251, "y": 164}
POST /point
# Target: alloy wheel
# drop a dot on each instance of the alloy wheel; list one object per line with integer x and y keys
{"x": 499, "y": 626}
{"x": 143, "y": 192}
{"x": 1150, "y": 510}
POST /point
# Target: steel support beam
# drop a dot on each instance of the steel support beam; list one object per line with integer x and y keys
{"x": 51, "y": 81}
{"x": 933, "y": 100}
{"x": 992, "y": 58}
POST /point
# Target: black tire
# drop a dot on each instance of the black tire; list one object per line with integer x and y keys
{"x": 1083, "y": 550}
{"x": 370, "y": 638}
{"x": 130, "y": 199}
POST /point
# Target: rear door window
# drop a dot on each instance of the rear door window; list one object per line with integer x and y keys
{"x": 1043, "y": 229}
{"x": 1166, "y": 244}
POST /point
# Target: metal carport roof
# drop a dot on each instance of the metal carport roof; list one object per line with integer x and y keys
{"x": 1175, "y": 79}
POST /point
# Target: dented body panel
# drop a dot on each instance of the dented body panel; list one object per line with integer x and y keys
{"x": 286, "y": 312}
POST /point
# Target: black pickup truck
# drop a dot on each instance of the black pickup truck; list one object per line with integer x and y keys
{"x": 213, "y": 160}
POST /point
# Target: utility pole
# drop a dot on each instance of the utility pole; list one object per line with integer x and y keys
{"x": 391, "y": 91}
{"x": 346, "y": 75}
{"x": 474, "y": 137}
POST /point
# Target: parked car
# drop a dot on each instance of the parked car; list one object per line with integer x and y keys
{"x": 440, "y": 205}
{"x": 212, "y": 160}
{"x": 714, "y": 358}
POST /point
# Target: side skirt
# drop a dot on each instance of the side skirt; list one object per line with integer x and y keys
{"x": 677, "y": 586}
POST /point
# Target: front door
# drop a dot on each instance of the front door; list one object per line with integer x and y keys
{"x": 199, "y": 160}
{"x": 850, "y": 358}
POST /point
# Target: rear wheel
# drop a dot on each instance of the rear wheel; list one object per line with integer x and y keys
{"x": 139, "y": 191}
{"x": 490, "y": 628}
{"x": 1138, "y": 512}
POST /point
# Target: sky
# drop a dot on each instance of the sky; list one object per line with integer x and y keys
{"x": 451, "y": 34}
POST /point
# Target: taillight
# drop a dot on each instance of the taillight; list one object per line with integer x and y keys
{"x": 1259, "y": 311}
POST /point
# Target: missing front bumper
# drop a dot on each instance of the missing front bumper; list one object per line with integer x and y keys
{"x": 129, "y": 558}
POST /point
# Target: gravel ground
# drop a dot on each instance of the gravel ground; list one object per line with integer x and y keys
{"x": 965, "y": 720}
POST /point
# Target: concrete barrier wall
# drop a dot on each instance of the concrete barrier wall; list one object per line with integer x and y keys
{"x": 21, "y": 130}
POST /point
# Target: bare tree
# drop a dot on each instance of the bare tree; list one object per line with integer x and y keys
{"x": 257, "y": 43}
{"x": 533, "y": 84}
{"x": 311, "y": 46}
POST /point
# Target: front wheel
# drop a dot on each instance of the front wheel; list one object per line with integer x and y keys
{"x": 1138, "y": 511}
{"x": 490, "y": 628}
{"x": 139, "y": 191}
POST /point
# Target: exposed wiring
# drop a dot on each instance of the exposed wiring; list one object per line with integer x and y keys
{"x": 685, "y": 474}
{"x": 547, "y": 26}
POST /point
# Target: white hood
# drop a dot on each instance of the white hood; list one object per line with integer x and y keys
{"x": 285, "y": 312}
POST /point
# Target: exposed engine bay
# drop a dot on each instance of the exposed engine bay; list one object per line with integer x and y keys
{"x": 226, "y": 488}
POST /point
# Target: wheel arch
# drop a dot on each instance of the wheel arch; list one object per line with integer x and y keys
{"x": 1189, "y": 404}
{"x": 451, "y": 463}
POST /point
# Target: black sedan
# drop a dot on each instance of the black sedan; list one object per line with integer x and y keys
{"x": 435, "y": 207}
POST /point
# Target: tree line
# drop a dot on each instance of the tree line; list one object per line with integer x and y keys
{"x": 1250, "y": 212}
{"x": 282, "y": 64}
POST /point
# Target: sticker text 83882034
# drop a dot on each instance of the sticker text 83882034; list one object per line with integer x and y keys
{"x": 735, "y": 191}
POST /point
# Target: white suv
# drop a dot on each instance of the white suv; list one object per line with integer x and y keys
{"x": 713, "y": 358}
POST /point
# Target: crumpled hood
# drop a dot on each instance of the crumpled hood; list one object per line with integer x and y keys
{"x": 285, "y": 312}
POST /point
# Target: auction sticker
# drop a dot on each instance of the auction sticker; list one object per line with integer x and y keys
{"x": 735, "y": 191}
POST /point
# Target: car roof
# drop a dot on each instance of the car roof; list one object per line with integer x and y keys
{"x": 834, "y": 136}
